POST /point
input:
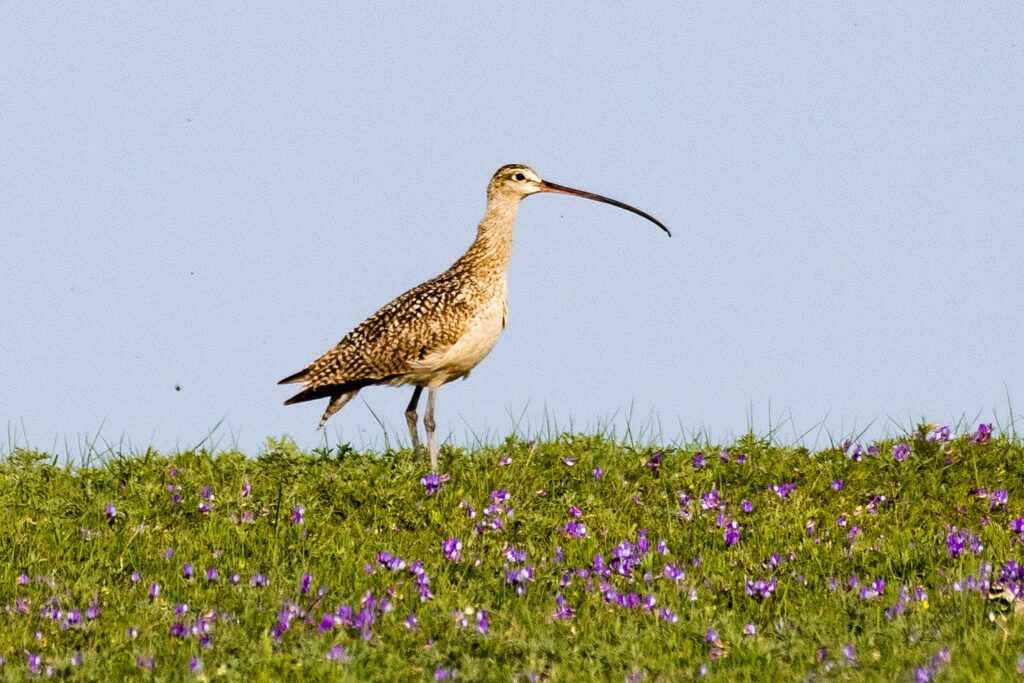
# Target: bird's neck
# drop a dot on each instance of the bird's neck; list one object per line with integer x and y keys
{"x": 490, "y": 253}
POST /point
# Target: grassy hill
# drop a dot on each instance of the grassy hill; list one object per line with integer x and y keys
{"x": 574, "y": 558}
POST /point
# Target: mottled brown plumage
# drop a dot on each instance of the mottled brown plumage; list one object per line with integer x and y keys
{"x": 438, "y": 331}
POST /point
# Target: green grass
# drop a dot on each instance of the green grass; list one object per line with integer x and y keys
{"x": 63, "y": 553}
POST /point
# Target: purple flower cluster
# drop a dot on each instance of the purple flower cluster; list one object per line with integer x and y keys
{"x": 983, "y": 436}
{"x": 762, "y": 589}
{"x": 956, "y": 542}
{"x": 782, "y": 490}
{"x": 493, "y": 513}
{"x": 574, "y": 529}
{"x": 452, "y": 549}
{"x": 431, "y": 483}
{"x": 563, "y": 610}
{"x": 901, "y": 452}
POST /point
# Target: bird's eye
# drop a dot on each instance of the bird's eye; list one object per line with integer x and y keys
{"x": 519, "y": 176}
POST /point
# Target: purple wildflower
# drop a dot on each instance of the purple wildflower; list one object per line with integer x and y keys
{"x": 111, "y": 511}
{"x": 569, "y": 462}
{"x": 998, "y": 499}
{"x": 258, "y": 580}
{"x": 154, "y": 591}
{"x": 597, "y": 473}
{"x": 337, "y": 653}
{"x": 195, "y": 665}
{"x": 207, "y": 493}
{"x": 483, "y": 622}
{"x": 431, "y": 483}
{"x": 747, "y": 506}
{"x": 939, "y": 433}
{"x": 146, "y": 663}
{"x": 211, "y": 574}
{"x": 576, "y": 530}
{"x": 901, "y": 451}
{"x": 563, "y": 610}
{"x": 984, "y": 435}
{"x": 246, "y": 489}
{"x": 698, "y": 461}
{"x": 749, "y": 629}
{"x": 782, "y": 490}
{"x": 298, "y": 517}
{"x": 505, "y": 461}
{"x": 452, "y": 549}
{"x": 655, "y": 462}
{"x": 732, "y": 537}
{"x": 187, "y": 570}
{"x": 712, "y": 635}
{"x": 837, "y": 485}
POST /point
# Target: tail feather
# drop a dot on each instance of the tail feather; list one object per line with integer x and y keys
{"x": 332, "y": 390}
{"x": 297, "y": 377}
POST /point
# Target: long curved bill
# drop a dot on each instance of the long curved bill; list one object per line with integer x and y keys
{"x": 545, "y": 186}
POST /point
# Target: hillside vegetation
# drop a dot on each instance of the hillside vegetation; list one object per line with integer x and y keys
{"x": 564, "y": 560}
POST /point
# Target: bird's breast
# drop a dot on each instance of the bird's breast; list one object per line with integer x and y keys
{"x": 480, "y": 334}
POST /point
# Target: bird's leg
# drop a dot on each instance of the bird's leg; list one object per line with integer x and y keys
{"x": 428, "y": 422}
{"x": 410, "y": 418}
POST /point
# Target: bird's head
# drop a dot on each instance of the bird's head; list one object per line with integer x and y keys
{"x": 515, "y": 181}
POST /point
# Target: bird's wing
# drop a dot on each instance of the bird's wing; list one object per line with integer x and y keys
{"x": 424, "y": 320}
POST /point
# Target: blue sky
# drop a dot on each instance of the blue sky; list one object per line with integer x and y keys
{"x": 211, "y": 196}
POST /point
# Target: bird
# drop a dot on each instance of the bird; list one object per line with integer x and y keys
{"x": 440, "y": 330}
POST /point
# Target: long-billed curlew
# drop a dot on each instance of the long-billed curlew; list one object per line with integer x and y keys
{"x": 440, "y": 330}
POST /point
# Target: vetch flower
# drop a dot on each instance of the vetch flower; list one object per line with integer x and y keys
{"x": 698, "y": 461}
{"x": 483, "y": 623}
{"x": 747, "y": 506}
{"x": 246, "y": 489}
{"x": 575, "y": 530}
{"x": 298, "y": 517}
{"x": 452, "y": 549}
{"x": 337, "y": 653}
{"x": 505, "y": 461}
{"x": 901, "y": 451}
{"x": 998, "y": 499}
{"x": 154, "y": 591}
{"x": 563, "y": 610}
{"x": 195, "y": 665}
{"x": 431, "y": 483}
{"x": 782, "y": 490}
{"x": 187, "y": 571}
{"x": 837, "y": 485}
{"x": 570, "y": 462}
{"x": 749, "y": 629}
{"x": 983, "y": 436}
{"x": 111, "y": 511}
{"x": 597, "y": 473}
